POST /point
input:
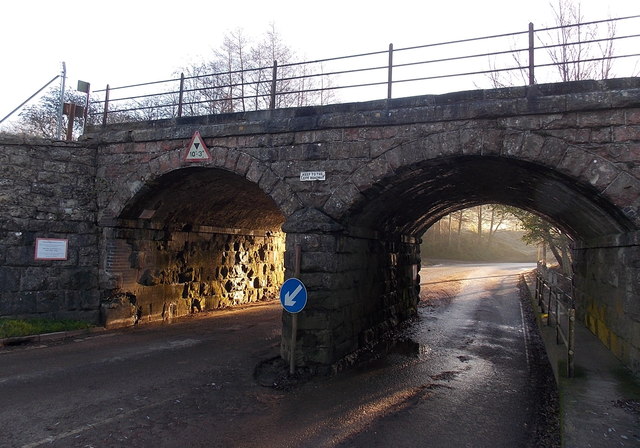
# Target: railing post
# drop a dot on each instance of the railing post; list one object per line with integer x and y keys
{"x": 558, "y": 327}
{"x": 180, "y": 95}
{"x": 549, "y": 307}
{"x": 532, "y": 78}
{"x": 106, "y": 106}
{"x": 571, "y": 343}
{"x": 272, "y": 104}
{"x": 390, "y": 72}
{"x": 537, "y": 294}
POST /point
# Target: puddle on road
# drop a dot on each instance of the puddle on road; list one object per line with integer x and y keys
{"x": 274, "y": 373}
{"x": 393, "y": 351}
{"x": 409, "y": 348}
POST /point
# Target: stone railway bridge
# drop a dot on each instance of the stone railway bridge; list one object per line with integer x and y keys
{"x": 163, "y": 236}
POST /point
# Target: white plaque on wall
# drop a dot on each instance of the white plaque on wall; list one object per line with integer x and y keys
{"x": 51, "y": 249}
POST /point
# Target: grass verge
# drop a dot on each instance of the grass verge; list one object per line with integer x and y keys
{"x": 10, "y": 328}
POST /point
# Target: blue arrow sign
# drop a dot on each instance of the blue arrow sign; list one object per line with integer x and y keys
{"x": 293, "y": 295}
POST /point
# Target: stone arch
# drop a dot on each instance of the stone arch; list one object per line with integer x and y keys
{"x": 586, "y": 171}
{"x": 191, "y": 237}
{"x": 386, "y": 204}
{"x": 231, "y": 160}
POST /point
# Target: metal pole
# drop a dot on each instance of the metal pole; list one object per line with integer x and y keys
{"x": 532, "y": 79}
{"x": 571, "y": 343}
{"x": 71, "y": 116}
{"x": 537, "y": 293}
{"x": 294, "y": 318}
{"x": 181, "y": 94}
{"x": 272, "y": 104}
{"x": 558, "y": 327}
{"x": 390, "y": 72}
{"x": 106, "y": 106}
{"x": 549, "y": 308}
{"x": 86, "y": 109}
{"x": 64, "y": 77}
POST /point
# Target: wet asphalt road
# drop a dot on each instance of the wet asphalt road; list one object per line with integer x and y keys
{"x": 466, "y": 373}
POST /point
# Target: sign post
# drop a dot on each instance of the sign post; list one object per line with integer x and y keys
{"x": 293, "y": 297}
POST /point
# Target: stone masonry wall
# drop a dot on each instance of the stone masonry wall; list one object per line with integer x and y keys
{"x": 607, "y": 273}
{"x": 47, "y": 191}
{"x": 161, "y": 274}
{"x": 568, "y": 151}
{"x": 360, "y": 287}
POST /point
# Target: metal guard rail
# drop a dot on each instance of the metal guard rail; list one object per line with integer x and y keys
{"x": 561, "y": 313}
{"x": 272, "y": 83}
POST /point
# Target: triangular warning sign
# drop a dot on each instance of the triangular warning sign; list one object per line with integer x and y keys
{"x": 197, "y": 151}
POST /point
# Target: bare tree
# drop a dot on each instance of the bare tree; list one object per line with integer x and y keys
{"x": 570, "y": 44}
{"x": 40, "y": 119}
{"x": 232, "y": 56}
{"x": 577, "y": 50}
{"x": 239, "y": 77}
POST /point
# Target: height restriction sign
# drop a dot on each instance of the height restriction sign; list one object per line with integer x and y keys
{"x": 197, "y": 151}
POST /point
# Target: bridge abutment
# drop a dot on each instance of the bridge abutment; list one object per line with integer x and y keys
{"x": 607, "y": 278}
{"x": 47, "y": 192}
{"x": 361, "y": 285}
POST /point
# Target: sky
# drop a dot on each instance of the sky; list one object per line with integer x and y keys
{"x": 120, "y": 42}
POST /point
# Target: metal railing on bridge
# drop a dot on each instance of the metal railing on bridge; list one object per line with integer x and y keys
{"x": 555, "y": 298}
{"x": 562, "y": 53}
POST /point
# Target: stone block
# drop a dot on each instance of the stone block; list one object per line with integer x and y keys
{"x": 600, "y": 173}
{"x": 626, "y": 134}
{"x": 319, "y": 262}
{"x": 6, "y": 304}
{"x": 255, "y": 171}
{"x": 23, "y": 303}
{"x": 49, "y": 302}
{"x": 34, "y": 279}
{"x": 622, "y": 191}
{"x": 243, "y": 163}
{"x": 118, "y": 315}
{"x": 9, "y": 279}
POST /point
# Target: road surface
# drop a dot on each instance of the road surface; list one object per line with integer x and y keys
{"x": 466, "y": 373}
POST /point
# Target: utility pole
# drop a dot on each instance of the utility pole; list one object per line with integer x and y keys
{"x": 64, "y": 77}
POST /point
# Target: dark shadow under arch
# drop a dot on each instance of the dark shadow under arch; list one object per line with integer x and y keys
{"x": 416, "y": 197}
{"x": 204, "y": 196}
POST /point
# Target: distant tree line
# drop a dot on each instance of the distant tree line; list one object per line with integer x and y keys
{"x": 471, "y": 234}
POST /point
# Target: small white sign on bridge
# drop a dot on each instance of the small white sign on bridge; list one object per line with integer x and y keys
{"x": 306, "y": 176}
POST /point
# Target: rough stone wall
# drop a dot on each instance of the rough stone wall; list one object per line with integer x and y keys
{"x": 359, "y": 288}
{"x": 161, "y": 274}
{"x": 47, "y": 191}
{"x": 607, "y": 275}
